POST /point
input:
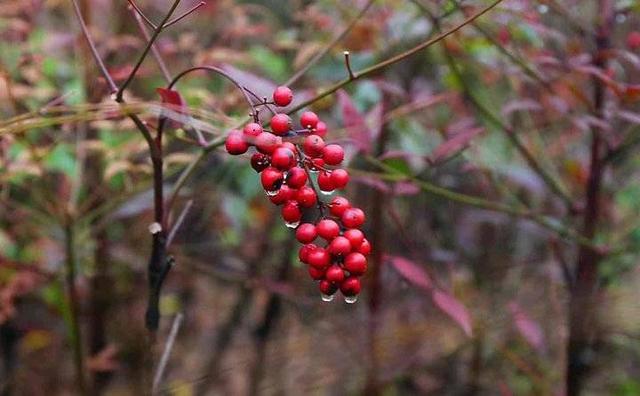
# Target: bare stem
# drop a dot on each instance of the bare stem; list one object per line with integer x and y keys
{"x": 347, "y": 63}
{"x": 166, "y": 353}
{"x": 186, "y": 14}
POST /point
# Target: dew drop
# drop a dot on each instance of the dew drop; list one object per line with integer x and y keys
{"x": 326, "y": 192}
{"x": 271, "y": 193}
{"x": 292, "y": 225}
{"x": 350, "y": 299}
{"x": 326, "y": 297}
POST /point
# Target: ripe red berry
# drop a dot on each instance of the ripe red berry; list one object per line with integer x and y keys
{"x": 271, "y": 179}
{"x": 332, "y": 154}
{"x": 306, "y": 233}
{"x": 280, "y": 124}
{"x": 291, "y": 212}
{"x": 327, "y": 288}
{"x": 321, "y": 129}
{"x": 338, "y": 205}
{"x": 309, "y": 120}
{"x": 339, "y": 246}
{"x": 356, "y": 264}
{"x": 284, "y": 194}
{"x": 353, "y": 217}
{"x": 633, "y": 40}
{"x": 303, "y": 253}
{"x": 317, "y": 164}
{"x": 328, "y": 229}
{"x": 296, "y": 177}
{"x": 316, "y": 273}
{"x": 365, "y": 247}
{"x": 350, "y": 286}
{"x": 283, "y": 158}
{"x": 313, "y": 145}
{"x": 339, "y": 178}
{"x": 259, "y": 162}
{"x": 306, "y": 197}
{"x": 319, "y": 258}
{"x": 252, "y": 129}
{"x": 355, "y": 237}
{"x": 325, "y": 182}
{"x": 235, "y": 143}
{"x": 334, "y": 274}
{"x": 267, "y": 142}
{"x": 282, "y": 96}
{"x": 289, "y": 145}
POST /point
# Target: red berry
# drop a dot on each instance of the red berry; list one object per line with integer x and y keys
{"x": 317, "y": 164}
{"x": 282, "y": 96}
{"x": 334, "y": 274}
{"x": 235, "y": 143}
{"x": 284, "y": 194}
{"x": 267, "y": 142}
{"x": 252, "y": 129}
{"x": 338, "y": 205}
{"x": 306, "y": 197}
{"x": 327, "y": 288}
{"x": 289, "y": 145}
{"x": 291, "y": 212}
{"x": 356, "y": 264}
{"x": 271, "y": 179}
{"x": 321, "y": 129}
{"x": 339, "y": 246}
{"x": 339, "y": 178}
{"x": 328, "y": 229}
{"x": 325, "y": 182}
{"x": 355, "y": 237}
{"x": 259, "y": 162}
{"x": 309, "y": 120}
{"x": 353, "y": 217}
{"x": 296, "y": 177}
{"x": 303, "y": 253}
{"x": 365, "y": 247}
{"x": 332, "y": 154}
{"x": 350, "y": 286}
{"x": 280, "y": 124}
{"x": 316, "y": 273}
{"x": 306, "y": 233}
{"x": 313, "y": 145}
{"x": 319, "y": 258}
{"x": 633, "y": 40}
{"x": 283, "y": 158}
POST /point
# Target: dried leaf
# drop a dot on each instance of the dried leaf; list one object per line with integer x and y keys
{"x": 411, "y": 272}
{"x": 453, "y": 146}
{"x": 354, "y": 122}
{"x": 453, "y": 308}
{"x": 528, "y": 329}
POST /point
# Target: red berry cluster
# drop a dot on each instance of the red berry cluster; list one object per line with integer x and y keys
{"x": 286, "y": 159}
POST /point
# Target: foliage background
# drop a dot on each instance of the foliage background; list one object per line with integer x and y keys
{"x": 461, "y": 299}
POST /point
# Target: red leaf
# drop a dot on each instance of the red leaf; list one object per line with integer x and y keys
{"x": 528, "y": 329}
{"x": 354, "y": 122}
{"x": 453, "y": 308}
{"x": 171, "y": 97}
{"x": 411, "y": 272}
{"x": 453, "y": 146}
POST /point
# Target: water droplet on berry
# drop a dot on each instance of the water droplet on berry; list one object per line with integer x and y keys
{"x": 292, "y": 225}
{"x": 326, "y": 192}
{"x": 326, "y": 297}
{"x": 272, "y": 193}
{"x": 313, "y": 170}
{"x": 350, "y": 299}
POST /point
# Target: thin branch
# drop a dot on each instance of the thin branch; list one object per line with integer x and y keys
{"x": 176, "y": 226}
{"x": 146, "y": 50}
{"x": 154, "y": 48}
{"x": 186, "y": 14}
{"x": 293, "y": 79}
{"x": 395, "y": 59}
{"x": 96, "y": 56}
{"x": 347, "y": 64}
{"x": 138, "y": 11}
{"x": 166, "y": 353}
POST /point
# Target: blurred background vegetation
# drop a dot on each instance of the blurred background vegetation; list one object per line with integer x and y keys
{"x": 472, "y": 158}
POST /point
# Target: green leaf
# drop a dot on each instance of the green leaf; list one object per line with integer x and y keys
{"x": 62, "y": 160}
